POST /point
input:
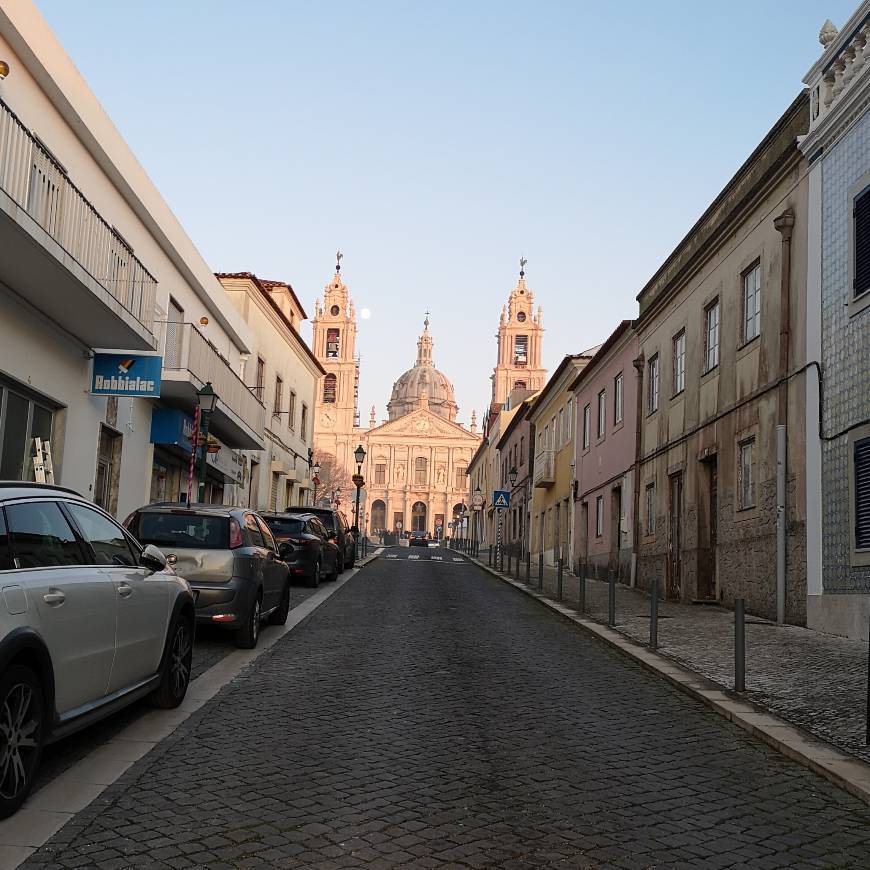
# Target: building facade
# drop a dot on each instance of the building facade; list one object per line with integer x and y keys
{"x": 837, "y": 146}
{"x": 516, "y": 459}
{"x": 721, "y": 334}
{"x": 605, "y": 425}
{"x": 283, "y": 373}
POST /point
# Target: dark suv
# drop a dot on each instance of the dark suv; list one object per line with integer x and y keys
{"x": 306, "y": 546}
{"x": 335, "y": 521}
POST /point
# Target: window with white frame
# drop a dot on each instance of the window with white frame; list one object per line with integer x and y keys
{"x": 561, "y": 439}
{"x": 861, "y": 243}
{"x": 652, "y": 401}
{"x": 587, "y": 425}
{"x": 650, "y": 508}
{"x": 569, "y": 421}
{"x": 291, "y": 410}
{"x": 862, "y": 494}
{"x": 602, "y": 413}
{"x": 599, "y": 516}
{"x": 617, "y": 398}
{"x": 711, "y": 336}
{"x": 746, "y": 472}
{"x": 752, "y": 303}
{"x": 679, "y": 362}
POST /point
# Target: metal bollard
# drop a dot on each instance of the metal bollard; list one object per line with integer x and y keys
{"x": 559, "y": 565}
{"x": 540, "y": 572}
{"x": 654, "y": 615}
{"x": 582, "y": 585}
{"x": 739, "y": 646}
{"x": 611, "y": 598}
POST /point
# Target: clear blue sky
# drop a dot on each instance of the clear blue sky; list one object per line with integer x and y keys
{"x": 435, "y": 143}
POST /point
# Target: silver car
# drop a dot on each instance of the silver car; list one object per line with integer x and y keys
{"x": 90, "y": 621}
{"x": 229, "y": 557}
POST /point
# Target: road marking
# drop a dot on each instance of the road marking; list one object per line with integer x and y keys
{"x": 392, "y": 556}
{"x": 437, "y": 558}
{"x": 415, "y": 556}
{"x": 458, "y": 560}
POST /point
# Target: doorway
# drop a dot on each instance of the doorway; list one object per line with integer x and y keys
{"x": 418, "y": 517}
{"x": 675, "y": 537}
{"x": 108, "y": 471}
{"x": 615, "y": 528}
{"x": 707, "y": 574}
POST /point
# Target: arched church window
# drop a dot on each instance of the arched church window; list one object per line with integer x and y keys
{"x": 379, "y": 515}
{"x": 332, "y": 336}
{"x": 329, "y": 389}
{"x": 421, "y": 468}
{"x": 334, "y": 311}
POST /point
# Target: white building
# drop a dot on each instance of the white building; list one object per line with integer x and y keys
{"x": 91, "y": 258}
{"x": 283, "y": 373}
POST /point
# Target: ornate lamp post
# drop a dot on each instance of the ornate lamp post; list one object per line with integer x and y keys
{"x": 359, "y": 455}
{"x": 315, "y": 479}
{"x": 206, "y": 401}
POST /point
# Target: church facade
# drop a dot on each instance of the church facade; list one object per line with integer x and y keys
{"x": 416, "y": 461}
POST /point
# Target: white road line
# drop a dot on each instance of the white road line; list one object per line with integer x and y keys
{"x": 437, "y": 558}
{"x": 415, "y": 556}
{"x": 458, "y": 560}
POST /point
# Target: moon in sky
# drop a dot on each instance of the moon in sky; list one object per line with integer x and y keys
{"x": 365, "y": 314}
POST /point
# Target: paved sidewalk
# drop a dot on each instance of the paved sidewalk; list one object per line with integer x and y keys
{"x": 814, "y": 681}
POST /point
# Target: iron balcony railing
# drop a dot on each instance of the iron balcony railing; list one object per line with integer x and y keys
{"x": 37, "y": 183}
{"x": 186, "y": 348}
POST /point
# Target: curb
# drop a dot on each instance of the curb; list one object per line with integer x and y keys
{"x": 837, "y": 767}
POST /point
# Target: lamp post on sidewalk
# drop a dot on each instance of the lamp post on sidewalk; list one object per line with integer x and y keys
{"x": 206, "y": 400}
{"x": 359, "y": 455}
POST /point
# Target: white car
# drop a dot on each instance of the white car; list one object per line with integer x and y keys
{"x": 90, "y": 621}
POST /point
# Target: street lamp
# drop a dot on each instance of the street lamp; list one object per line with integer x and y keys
{"x": 359, "y": 455}
{"x": 512, "y": 475}
{"x": 206, "y": 401}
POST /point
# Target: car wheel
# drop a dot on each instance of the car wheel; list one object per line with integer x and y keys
{"x": 349, "y": 563}
{"x": 22, "y": 723}
{"x": 176, "y": 669}
{"x": 248, "y": 635}
{"x": 279, "y": 616}
{"x": 314, "y": 580}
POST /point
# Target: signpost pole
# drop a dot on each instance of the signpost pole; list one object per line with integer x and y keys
{"x": 498, "y": 555}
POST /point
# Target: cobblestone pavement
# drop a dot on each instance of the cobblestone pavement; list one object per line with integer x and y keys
{"x": 430, "y": 716}
{"x": 211, "y": 646}
{"x": 815, "y": 681}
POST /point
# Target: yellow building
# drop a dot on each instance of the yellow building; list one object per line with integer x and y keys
{"x": 552, "y": 421}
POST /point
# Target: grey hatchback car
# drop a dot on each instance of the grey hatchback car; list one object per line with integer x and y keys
{"x": 229, "y": 557}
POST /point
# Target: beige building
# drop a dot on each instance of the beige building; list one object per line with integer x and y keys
{"x": 416, "y": 460}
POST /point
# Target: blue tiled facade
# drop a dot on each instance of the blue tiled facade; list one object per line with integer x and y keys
{"x": 845, "y": 355}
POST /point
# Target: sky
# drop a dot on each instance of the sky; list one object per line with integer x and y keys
{"x": 436, "y": 143}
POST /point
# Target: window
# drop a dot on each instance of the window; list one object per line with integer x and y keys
{"x": 303, "y": 422}
{"x": 679, "y": 363}
{"x": 650, "y": 508}
{"x": 711, "y": 336}
{"x": 21, "y": 421}
{"x": 519, "y": 385}
{"x": 260, "y": 385}
{"x": 253, "y": 530}
{"x": 329, "y": 389}
{"x": 569, "y": 421}
{"x": 602, "y": 413}
{"x": 421, "y": 467}
{"x": 268, "y": 538}
{"x": 109, "y": 543}
{"x": 552, "y": 432}
{"x": 291, "y": 410}
{"x": 752, "y": 303}
{"x": 652, "y": 401}
{"x": 380, "y": 473}
{"x": 599, "y": 516}
{"x": 459, "y": 477}
{"x": 279, "y": 396}
{"x": 861, "y": 236}
{"x": 587, "y": 425}
{"x": 332, "y": 342}
{"x": 546, "y": 436}
{"x": 521, "y": 346}
{"x": 862, "y": 494}
{"x": 522, "y": 449}
{"x": 562, "y": 439}
{"x": 617, "y": 398}
{"x": 41, "y": 537}
{"x": 746, "y": 483}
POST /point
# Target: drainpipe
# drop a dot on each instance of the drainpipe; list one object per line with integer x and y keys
{"x": 639, "y": 365}
{"x": 784, "y": 224}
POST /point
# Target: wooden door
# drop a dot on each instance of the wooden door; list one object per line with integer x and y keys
{"x": 675, "y": 536}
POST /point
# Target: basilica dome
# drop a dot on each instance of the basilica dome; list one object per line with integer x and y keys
{"x": 423, "y": 385}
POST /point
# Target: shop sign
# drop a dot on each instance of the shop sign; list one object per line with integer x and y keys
{"x": 175, "y": 427}
{"x": 121, "y": 374}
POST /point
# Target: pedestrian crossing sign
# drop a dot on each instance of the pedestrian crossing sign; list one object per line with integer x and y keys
{"x": 501, "y": 498}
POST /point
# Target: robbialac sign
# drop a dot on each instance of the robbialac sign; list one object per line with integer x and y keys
{"x": 117, "y": 374}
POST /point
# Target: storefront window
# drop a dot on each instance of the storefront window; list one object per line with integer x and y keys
{"x": 21, "y": 420}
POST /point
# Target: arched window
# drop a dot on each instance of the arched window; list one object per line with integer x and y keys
{"x": 329, "y": 389}
{"x": 332, "y": 341}
{"x": 519, "y": 385}
{"x": 421, "y": 468}
{"x": 379, "y": 515}
{"x": 418, "y": 516}
{"x": 457, "y": 510}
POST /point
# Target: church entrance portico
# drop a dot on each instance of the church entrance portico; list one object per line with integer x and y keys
{"x": 419, "y": 513}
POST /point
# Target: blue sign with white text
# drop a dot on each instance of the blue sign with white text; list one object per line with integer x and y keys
{"x": 501, "y": 498}
{"x": 122, "y": 374}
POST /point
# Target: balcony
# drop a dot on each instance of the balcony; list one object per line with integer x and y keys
{"x": 189, "y": 360}
{"x": 68, "y": 262}
{"x": 545, "y": 468}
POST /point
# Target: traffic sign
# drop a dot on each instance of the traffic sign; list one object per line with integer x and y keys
{"x": 501, "y": 498}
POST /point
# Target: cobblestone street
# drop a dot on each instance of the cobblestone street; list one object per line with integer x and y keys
{"x": 430, "y": 716}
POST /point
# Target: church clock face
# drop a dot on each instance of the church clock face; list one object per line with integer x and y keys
{"x": 327, "y": 417}
{"x": 334, "y": 310}
{"x": 521, "y": 316}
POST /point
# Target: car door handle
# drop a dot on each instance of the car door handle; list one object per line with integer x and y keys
{"x": 125, "y": 590}
{"x": 54, "y": 597}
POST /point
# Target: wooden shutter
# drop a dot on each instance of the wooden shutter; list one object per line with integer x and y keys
{"x": 862, "y": 494}
{"x": 861, "y": 214}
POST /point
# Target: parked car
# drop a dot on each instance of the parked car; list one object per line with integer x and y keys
{"x": 308, "y": 548}
{"x": 229, "y": 557}
{"x": 93, "y": 621}
{"x": 418, "y": 539}
{"x": 335, "y": 521}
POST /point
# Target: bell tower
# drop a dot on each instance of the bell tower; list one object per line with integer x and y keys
{"x": 334, "y": 345}
{"x": 520, "y": 333}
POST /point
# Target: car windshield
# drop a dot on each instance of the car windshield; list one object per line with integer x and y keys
{"x": 327, "y": 519}
{"x": 285, "y": 527}
{"x": 191, "y": 531}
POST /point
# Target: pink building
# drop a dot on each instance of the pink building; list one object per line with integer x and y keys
{"x": 605, "y": 399}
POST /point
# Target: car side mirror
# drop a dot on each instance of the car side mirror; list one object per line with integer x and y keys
{"x": 152, "y": 559}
